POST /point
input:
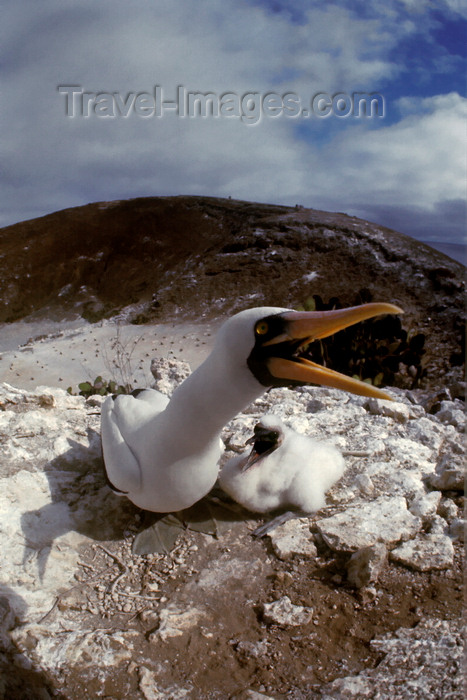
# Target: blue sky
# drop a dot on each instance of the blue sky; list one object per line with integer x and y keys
{"x": 406, "y": 169}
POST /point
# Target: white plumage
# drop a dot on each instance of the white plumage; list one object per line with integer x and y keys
{"x": 163, "y": 455}
{"x": 283, "y": 470}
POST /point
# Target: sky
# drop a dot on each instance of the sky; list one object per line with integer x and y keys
{"x": 85, "y": 87}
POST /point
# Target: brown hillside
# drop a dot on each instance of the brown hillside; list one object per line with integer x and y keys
{"x": 202, "y": 256}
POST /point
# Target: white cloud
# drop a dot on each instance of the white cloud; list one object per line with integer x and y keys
{"x": 420, "y": 160}
{"x": 411, "y": 175}
{"x": 51, "y": 161}
{"x": 457, "y": 7}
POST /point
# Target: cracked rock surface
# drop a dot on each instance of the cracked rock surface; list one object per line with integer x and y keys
{"x": 418, "y": 663}
{"x": 81, "y": 615}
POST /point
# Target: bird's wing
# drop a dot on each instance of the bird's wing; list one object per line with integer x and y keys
{"x": 122, "y": 425}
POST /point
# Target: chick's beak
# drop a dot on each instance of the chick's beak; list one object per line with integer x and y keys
{"x": 252, "y": 459}
{"x": 313, "y": 325}
{"x": 261, "y": 434}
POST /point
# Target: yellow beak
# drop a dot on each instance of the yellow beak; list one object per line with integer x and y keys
{"x": 312, "y": 325}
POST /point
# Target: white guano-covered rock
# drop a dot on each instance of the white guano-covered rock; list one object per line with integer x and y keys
{"x": 169, "y": 374}
{"x": 436, "y": 525}
{"x": 293, "y": 538}
{"x": 365, "y": 565}
{"x": 425, "y": 506}
{"x": 384, "y": 520}
{"x": 448, "y": 509}
{"x": 399, "y": 412}
{"x": 420, "y": 663}
{"x": 149, "y": 687}
{"x": 53, "y": 497}
{"x": 175, "y": 621}
{"x": 425, "y": 552}
{"x": 426, "y": 431}
{"x": 55, "y": 509}
{"x": 449, "y": 474}
{"x": 50, "y": 647}
{"x": 284, "y": 613}
{"x": 452, "y": 413}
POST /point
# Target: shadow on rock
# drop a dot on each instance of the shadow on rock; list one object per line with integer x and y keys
{"x": 18, "y": 677}
{"x": 81, "y": 502}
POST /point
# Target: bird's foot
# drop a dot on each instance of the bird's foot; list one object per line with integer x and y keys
{"x": 266, "y": 528}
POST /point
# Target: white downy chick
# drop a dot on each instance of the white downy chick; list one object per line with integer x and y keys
{"x": 283, "y": 470}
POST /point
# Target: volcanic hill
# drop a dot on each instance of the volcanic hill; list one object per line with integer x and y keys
{"x": 189, "y": 257}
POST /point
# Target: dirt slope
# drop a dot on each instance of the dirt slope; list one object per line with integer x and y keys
{"x": 193, "y": 257}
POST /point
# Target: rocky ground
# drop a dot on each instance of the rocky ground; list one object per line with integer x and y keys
{"x": 362, "y": 600}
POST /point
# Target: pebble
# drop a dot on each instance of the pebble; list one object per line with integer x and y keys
{"x": 365, "y": 565}
{"x": 457, "y": 529}
{"x": 153, "y": 587}
{"x": 436, "y": 525}
{"x": 447, "y": 509}
{"x": 365, "y": 484}
{"x": 399, "y": 412}
{"x": 149, "y": 617}
{"x": 425, "y": 506}
{"x": 284, "y": 613}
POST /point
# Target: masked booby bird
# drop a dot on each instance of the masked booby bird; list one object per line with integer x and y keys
{"x": 163, "y": 454}
{"x": 283, "y": 469}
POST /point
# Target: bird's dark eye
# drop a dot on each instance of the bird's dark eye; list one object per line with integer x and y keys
{"x": 261, "y": 328}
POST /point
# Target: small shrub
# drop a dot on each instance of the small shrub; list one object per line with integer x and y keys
{"x": 101, "y": 387}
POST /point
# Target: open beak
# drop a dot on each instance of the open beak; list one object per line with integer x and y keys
{"x": 255, "y": 456}
{"x": 308, "y": 326}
